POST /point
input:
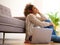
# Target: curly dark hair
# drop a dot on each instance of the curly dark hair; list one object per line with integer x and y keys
{"x": 28, "y": 9}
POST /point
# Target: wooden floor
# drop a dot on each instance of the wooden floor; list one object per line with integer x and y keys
{"x": 21, "y": 42}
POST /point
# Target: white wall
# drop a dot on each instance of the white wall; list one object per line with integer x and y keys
{"x": 51, "y": 6}
{"x": 13, "y": 35}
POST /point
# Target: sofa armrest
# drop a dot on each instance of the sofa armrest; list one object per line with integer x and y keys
{"x": 20, "y": 18}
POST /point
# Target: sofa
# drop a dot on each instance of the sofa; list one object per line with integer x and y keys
{"x": 9, "y": 24}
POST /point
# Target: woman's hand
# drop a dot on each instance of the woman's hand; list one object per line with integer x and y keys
{"x": 51, "y": 24}
{"x": 37, "y": 11}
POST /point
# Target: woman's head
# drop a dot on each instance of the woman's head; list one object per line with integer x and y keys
{"x": 30, "y": 9}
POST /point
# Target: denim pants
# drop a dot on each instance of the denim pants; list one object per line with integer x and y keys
{"x": 54, "y": 37}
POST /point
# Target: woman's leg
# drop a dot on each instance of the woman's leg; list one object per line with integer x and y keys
{"x": 51, "y": 27}
{"x": 55, "y": 38}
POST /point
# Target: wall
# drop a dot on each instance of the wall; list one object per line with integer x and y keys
{"x": 51, "y": 5}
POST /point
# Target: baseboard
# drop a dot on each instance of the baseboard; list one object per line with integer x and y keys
{"x": 12, "y": 36}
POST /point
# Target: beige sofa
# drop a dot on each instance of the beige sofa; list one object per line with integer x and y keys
{"x": 8, "y": 24}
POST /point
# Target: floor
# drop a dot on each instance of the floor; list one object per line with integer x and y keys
{"x": 21, "y": 42}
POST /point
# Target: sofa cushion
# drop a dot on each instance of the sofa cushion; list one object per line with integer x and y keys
{"x": 11, "y": 29}
{"x": 12, "y": 21}
{"x": 5, "y": 11}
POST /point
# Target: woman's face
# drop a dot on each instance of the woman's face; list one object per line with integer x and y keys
{"x": 35, "y": 11}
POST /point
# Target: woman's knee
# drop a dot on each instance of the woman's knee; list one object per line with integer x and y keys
{"x": 55, "y": 38}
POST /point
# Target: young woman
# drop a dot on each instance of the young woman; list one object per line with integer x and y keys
{"x": 32, "y": 20}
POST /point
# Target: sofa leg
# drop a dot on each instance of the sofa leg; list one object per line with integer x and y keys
{"x": 3, "y": 37}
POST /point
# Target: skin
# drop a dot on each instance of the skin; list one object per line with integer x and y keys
{"x": 35, "y": 10}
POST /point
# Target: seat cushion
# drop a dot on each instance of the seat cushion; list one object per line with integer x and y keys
{"x": 11, "y": 29}
{"x": 11, "y": 21}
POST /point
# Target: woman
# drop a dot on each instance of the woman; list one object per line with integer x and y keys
{"x": 32, "y": 20}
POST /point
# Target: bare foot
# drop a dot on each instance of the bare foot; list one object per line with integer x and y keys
{"x": 27, "y": 41}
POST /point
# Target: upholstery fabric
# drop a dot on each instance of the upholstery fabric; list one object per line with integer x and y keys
{"x": 5, "y": 11}
{"x": 8, "y": 23}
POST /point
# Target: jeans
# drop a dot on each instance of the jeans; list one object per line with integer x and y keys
{"x": 54, "y": 37}
{"x": 51, "y": 27}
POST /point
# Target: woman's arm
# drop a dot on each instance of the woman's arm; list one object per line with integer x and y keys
{"x": 42, "y": 16}
{"x": 37, "y": 22}
{"x": 41, "y": 19}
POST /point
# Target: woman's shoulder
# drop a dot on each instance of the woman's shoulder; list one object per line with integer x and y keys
{"x": 31, "y": 15}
